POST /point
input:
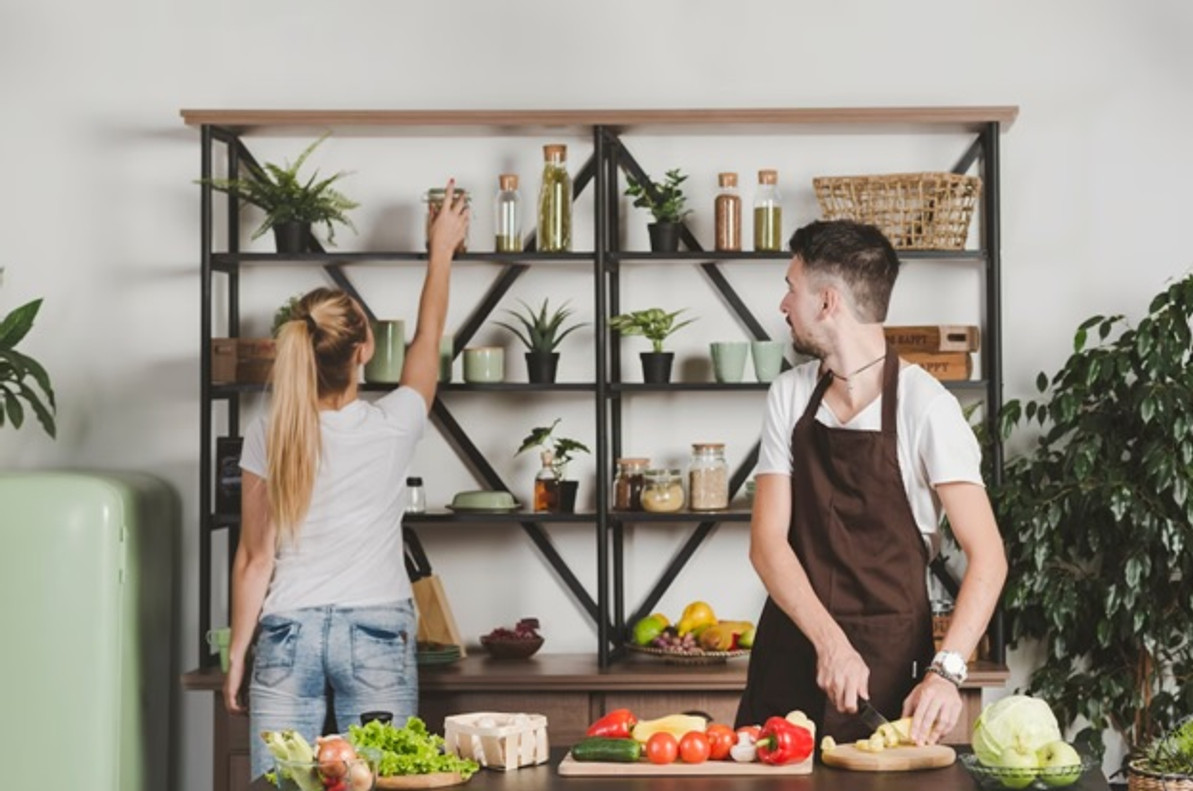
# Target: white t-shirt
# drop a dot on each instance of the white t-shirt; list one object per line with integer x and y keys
{"x": 349, "y": 549}
{"x": 934, "y": 442}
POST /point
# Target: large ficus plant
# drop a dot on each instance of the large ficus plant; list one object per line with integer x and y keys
{"x": 22, "y": 377}
{"x": 1098, "y": 521}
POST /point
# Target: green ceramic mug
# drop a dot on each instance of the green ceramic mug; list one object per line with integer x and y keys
{"x": 729, "y": 360}
{"x": 484, "y": 364}
{"x": 217, "y": 640}
{"x": 768, "y": 359}
{"x": 389, "y": 352}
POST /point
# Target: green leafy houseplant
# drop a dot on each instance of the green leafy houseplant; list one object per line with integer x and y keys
{"x": 21, "y": 376}
{"x": 654, "y": 324}
{"x": 562, "y": 449}
{"x": 286, "y": 198}
{"x": 1098, "y": 521}
{"x": 541, "y": 331}
{"x": 665, "y": 201}
{"x": 284, "y": 313}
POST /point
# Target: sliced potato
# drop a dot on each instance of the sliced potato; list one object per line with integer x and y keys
{"x": 863, "y": 745}
{"x": 827, "y": 744}
{"x": 877, "y": 743}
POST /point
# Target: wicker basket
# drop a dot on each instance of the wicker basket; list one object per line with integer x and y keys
{"x": 916, "y": 211}
{"x": 497, "y": 740}
{"x": 1140, "y": 779}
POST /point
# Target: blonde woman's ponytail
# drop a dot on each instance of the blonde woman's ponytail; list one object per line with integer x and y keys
{"x": 293, "y": 441}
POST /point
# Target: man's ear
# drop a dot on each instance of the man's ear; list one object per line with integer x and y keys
{"x": 830, "y": 300}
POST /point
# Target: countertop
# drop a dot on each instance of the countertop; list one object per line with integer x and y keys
{"x": 823, "y": 778}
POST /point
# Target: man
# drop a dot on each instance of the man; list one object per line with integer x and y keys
{"x": 860, "y": 453}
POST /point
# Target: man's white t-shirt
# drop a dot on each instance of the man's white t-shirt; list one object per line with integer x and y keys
{"x": 349, "y": 549}
{"x": 934, "y": 442}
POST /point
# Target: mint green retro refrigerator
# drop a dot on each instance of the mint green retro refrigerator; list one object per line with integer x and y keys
{"x": 88, "y": 582}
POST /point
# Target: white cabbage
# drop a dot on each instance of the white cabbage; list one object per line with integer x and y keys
{"x": 1017, "y": 722}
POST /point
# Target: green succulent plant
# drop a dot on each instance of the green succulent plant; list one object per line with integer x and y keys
{"x": 666, "y": 201}
{"x": 285, "y": 198}
{"x": 541, "y": 331}
{"x": 563, "y": 449}
{"x": 20, "y": 372}
{"x": 654, "y": 324}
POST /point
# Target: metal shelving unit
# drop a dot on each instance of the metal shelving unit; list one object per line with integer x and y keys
{"x": 601, "y": 172}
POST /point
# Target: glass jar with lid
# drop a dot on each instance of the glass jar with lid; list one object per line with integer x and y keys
{"x": 434, "y": 199}
{"x": 708, "y": 477}
{"x": 628, "y": 483}
{"x": 662, "y": 491}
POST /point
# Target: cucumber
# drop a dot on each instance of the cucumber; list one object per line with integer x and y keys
{"x": 597, "y": 748}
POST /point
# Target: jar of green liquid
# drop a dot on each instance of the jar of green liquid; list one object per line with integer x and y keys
{"x": 555, "y": 202}
{"x": 768, "y": 213}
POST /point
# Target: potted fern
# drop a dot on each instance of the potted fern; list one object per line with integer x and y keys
{"x": 656, "y": 325}
{"x": 21, "y": 376}
{"x": 541, "y": 332}
{"x": 291, "y": 205}
{"x": 666, "y": 203}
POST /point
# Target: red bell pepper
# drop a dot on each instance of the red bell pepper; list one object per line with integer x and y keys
{"x": 782, "y": 742}
{"x": 617, "y": 724}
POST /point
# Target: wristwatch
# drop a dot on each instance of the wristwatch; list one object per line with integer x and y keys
{"x": 950, "y": 666}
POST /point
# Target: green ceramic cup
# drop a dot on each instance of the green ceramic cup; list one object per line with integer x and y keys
{"x": 389, "y": 352}
{"x": 446, "y": 346}
{"x": 729, "y": 360}
{"x": 768, "y": 359}
{"x": 484, "y": 364}
{"x": 218, "y": 640}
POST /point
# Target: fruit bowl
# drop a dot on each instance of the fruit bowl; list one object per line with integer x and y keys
{"x": 1010, "y": 777}
{"x": 690, "y": 656}
{"x": 511, "y": 647}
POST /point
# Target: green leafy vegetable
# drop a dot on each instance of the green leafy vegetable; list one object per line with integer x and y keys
{"x": 409, "y": 750}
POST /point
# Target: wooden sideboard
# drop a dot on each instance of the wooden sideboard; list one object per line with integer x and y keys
{"x": 569, "y": 689}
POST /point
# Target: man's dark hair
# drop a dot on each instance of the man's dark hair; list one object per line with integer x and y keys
{"x": 857, "y": 253}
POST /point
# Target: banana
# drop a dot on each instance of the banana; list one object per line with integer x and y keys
{"x": 675, "y": 724}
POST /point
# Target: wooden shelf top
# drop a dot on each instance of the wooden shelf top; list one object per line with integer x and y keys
{"x": 960, "y": 117}
{"x": 580, "y": 672}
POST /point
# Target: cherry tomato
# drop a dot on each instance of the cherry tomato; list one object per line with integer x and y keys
{"x": 693, "y": 748}
{"x": 662, "y": 748}
{"x": 751, "y": 730}
{"x": 721, "y": 739}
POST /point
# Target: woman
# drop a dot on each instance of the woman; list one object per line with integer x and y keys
{"x": 319, "y": 572}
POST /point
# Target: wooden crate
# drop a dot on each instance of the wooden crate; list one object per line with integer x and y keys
{"x": 945, "y": 366}
{"x": 937, "y": 338}
{"x": 223, "y": 360}
{"x": 497, "y": 740}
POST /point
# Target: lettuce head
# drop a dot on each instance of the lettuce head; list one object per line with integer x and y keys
{"x": 1018, "y": 722}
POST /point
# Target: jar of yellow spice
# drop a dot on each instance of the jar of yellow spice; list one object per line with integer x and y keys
{"x": 663, "y": 491}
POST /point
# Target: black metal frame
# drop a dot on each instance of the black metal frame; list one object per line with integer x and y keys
{"x": 610, "y": 156}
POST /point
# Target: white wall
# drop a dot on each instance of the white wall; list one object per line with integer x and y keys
{"x": 102, "y": 218}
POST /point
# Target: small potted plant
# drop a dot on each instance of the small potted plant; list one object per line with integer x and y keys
{"x": 255, "y": 356}
{"x": 552, "y": 479}
{"x": 292, "y": 205}
{"x": 655, "y": 325}
{"x": 666, "y": 203}
{"x": 19, "y": 373}
{"x": 542, "y": 331}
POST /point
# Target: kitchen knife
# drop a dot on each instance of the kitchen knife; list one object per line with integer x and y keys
{"x": 871, "y": 717}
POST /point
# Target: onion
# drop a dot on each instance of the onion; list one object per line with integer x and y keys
{"x": 333, "y": 754}
{"x": 360, "y": 778}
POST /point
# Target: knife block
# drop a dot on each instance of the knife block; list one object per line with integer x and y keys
{"x": 436, "y": 624}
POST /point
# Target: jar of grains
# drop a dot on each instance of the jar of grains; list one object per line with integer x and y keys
{"x": 434, "y": 199}
{"x": 708, "y": 477}
{"x": 662, "y": 491}
{"x": 627, "y": 485}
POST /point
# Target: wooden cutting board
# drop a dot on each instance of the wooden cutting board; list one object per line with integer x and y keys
{"x": 892, "y": 759}
{"x": 431, "y": 780}
{"x": 574, "y": 768}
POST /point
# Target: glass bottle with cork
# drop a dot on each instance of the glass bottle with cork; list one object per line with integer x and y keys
{"x": 768, "y": 213}
{"x": 546, "y": 485}
{"x": 727, "y": 208}
{"x": 507, "y": 215}
{"x": 555, "y": 202}
{"x": 708, "y": 477}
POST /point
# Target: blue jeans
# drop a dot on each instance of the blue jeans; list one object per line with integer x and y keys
{"x": 363, "y": 656}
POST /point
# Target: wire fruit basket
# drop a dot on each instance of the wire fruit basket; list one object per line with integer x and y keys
{"x": 916, "y": 211}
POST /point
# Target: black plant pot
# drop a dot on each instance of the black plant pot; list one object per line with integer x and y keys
{"x": 664, "y": 236}
{"x": 540, "y": 367}
{"x": 567, "y": 497}
{"x": 656, "y": 367}
{"x": 292, "y": 237}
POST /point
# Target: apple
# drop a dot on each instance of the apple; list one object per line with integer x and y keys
{"x": 1062, "y": 763}
{"x": 1024, "y": 764}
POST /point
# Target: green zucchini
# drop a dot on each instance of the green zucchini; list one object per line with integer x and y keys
{"x": 598, "y": 748}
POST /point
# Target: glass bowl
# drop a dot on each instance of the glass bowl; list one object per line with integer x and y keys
{"x": 357, "y": 774}
{"x": 1041, "y": 778}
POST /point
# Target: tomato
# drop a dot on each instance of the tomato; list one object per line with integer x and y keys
{"x": 721, "y": 739}
{"x": 693, "y": 748}
{"x": 662, "y": 748}
{"x": 751, "y": 730}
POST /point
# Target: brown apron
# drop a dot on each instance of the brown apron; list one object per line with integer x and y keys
{"x": 853, "y": 531}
